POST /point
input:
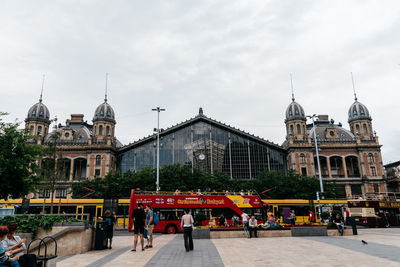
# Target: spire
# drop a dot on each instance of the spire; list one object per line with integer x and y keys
{"x": 41, "y": 91}
{"x": 105, "y": 95}
{"x": 354, "y": 88}
{"x": 200, "y": 111}
{"x": 291, "y": 83}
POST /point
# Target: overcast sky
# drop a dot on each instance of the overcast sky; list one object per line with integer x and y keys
{"x": 233, "y": 58}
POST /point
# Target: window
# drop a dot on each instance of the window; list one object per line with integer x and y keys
{"x": 66, "y": 134}
{"x": 108, "y": 130}
{"x": 373, "y": 171}
{"x": 371, "y": 158}
{"x": 98, "y": 160}
{"x": 44, "y": 193}
{"x": 61, "y": 193}
{"x": 100, "y": 130}
{"x": 298, "y": 129}
{"x": 304, "y": 171}
{"x": 365, "y": 128}
{"x": 97, "y": 173}
{"x": 302, "y": 158}
{"x": 39, "y": 131}
{"x": 291, "y": 129}
{"x": 357, "y": 129}
{"x": 376, "y": 188}
{"x": 31, "y": 130}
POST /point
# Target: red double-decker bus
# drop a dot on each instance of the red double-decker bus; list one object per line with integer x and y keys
{"x": 169, "y": 208}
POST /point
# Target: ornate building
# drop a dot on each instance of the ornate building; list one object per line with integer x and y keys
{"x": 352, "y": 159}
{"x": 393, "y": 177}
{"x": 87, "y": 151}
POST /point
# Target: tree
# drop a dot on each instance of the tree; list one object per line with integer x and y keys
{"x": 172, "y": 177}
{"x": 18, "y": 161}
{"x": 290, "y": 186}
{"x": 53, "y": 167}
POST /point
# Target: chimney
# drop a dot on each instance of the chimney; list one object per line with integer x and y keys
{"x": 323, "y": 117}
{"x": 76, "y": 117}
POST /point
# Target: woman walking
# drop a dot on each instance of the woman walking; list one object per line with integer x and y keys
{"x": 187, "y": 224}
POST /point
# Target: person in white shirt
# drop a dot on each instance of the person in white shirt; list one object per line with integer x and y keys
{"x": 245, "y": 219}
{"x": 253, "y": 226}
{"x": 186, "y": 223}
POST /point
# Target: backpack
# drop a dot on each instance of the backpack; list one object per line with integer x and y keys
{"x": 155, "y": 218}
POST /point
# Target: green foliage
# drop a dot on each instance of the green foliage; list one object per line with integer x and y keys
{"x": 17, "y": 161}
{"x": 283, "y": 186}
{"x": 324, "y": 215}
{"x": 31, "y": 224}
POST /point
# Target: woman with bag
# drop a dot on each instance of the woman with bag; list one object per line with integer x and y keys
{"x": 187, "y": 224}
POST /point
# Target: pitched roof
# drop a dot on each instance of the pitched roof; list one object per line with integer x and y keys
{"x": 203, "y": 118}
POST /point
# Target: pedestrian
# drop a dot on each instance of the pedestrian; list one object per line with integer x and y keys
{"x": 187, "y": 225}
{"x": 292, "y": 217}
{"x": 253, "y": 226}
{"x": 346, "y": 214}
{"x": 149, "y": 226}
{"x": 311, "y": 216}
{"x": 245, "y": 219}
{"x": 339, "y": 223}
{"x": 138, "y": 218}
{"x": 110, "y": 225}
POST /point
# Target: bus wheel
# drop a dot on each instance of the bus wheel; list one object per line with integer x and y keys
{"x": 171, "y": 229}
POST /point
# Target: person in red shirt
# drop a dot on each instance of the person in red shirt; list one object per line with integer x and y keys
{"x": 311, "y": 216}
{"x": 346, "y": 214}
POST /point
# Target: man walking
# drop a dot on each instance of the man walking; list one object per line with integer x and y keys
{"x": 149, "y": 226}
{"x": 187, "y": 225}
{"x": 138, "y": 218}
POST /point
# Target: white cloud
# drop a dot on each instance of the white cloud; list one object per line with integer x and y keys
{"x": 233, "y": 58}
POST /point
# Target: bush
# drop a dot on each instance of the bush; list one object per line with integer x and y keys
{"x": 32, "y": 224}
{"x": 324, "y": 215}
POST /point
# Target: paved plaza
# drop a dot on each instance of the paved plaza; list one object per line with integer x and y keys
{"x": 383, "y": 249}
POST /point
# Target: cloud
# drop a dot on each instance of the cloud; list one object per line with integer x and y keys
{"x": 233, "y": 58}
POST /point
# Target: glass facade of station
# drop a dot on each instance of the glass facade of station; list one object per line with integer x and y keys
{"x": 206, "y": 145}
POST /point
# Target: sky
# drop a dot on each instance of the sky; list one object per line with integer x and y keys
{"x": 232, "y": 58}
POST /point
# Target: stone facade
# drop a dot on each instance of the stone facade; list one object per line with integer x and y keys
{"x": 352, "y": 159}
{"x": 87, "y": 151}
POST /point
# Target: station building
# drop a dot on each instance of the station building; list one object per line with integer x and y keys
{"x": 206, "y": 144}
{"x": 350, "y": 158}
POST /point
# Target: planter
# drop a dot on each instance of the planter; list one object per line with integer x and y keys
{"x": 309, "y": 231}
{"x": 201, "y": 233}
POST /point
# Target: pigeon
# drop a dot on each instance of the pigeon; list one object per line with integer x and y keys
{"x": 364, "y": 242}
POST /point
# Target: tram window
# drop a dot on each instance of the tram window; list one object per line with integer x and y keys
{"x": 68, "y": 209}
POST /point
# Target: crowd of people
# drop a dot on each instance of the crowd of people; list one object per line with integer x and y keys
{"x": 213, "y": 192}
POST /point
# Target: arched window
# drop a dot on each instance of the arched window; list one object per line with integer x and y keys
{"x": 108, "y": 130}
{"x": 357, "y": 129}
{"x": 31, "y": 130}
{"x": 39, "y": 130}
{"x": 98, "y": 160}
{"x": 298, "y": 129}
{"x": 100, "y": 130}
{"x": 291, "y": 129}
{"x": 302, "y": 158}
{"x": 371, "y": 158}
{"x": 365, "y": 128}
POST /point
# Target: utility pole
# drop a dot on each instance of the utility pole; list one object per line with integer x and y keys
{"x": 319, "y": 165}
{"x": 158, "y": 109}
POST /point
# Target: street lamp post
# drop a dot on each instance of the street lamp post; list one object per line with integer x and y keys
{"x": 319, "y": 165}
{"x": 158, "y": 109}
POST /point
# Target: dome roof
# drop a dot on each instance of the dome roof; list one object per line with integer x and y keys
{"x": 39, "y": 111}
{"x": 295, "y": 111}
{"x": 104, "y": 111}
{"x": 358, "y": 111}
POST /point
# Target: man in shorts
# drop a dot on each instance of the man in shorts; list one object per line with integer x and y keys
{"x": 149, "y": 226}
{"x": 138, "y": 218}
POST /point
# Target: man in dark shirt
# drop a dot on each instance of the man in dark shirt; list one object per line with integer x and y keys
{"x": 138, "y": 218}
